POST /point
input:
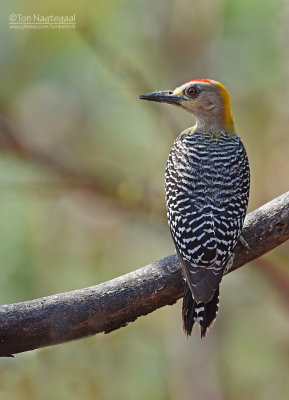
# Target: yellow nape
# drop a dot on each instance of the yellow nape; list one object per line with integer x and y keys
{"x": 228, "y": 117}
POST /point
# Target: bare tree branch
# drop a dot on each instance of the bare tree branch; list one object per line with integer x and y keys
{"x": 113, "y": 304}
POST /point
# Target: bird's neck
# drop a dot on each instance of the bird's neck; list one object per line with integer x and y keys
{"x": 215, "y": 116}
{"x": 219, "y": 123}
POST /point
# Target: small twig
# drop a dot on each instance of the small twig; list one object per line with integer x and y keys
{"x": 73, "y": 178}
{"x": 120, "y": 65}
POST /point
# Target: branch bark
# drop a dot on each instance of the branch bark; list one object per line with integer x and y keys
{"x": 113, "y": 304}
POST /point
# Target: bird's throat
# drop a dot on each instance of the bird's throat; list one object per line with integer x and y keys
{"x": 215, "y": 118}
{"x": 222, "y": 122}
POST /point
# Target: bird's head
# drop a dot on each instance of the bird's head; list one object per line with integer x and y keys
{"x": 206, "y": 99}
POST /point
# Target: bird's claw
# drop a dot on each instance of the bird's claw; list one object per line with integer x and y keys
{"x": 244, "y": 243}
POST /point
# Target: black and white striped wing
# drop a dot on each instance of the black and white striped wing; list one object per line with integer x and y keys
{"x": 207, "y": 188}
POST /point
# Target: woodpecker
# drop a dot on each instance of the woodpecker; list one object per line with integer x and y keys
{"x": 207, "y": 184}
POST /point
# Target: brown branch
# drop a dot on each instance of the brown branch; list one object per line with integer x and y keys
{"x": 111, "y": 305}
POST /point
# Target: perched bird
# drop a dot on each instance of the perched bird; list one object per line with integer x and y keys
{"x": 207, "y": 192}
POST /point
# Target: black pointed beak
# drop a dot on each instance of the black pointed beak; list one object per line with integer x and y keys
{"x": 166, "y": 96}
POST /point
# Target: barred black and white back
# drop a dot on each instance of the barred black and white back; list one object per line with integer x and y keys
{"x": 207, "y": 191}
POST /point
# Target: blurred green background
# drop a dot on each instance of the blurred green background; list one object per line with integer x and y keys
{"x": 82, "y": 189}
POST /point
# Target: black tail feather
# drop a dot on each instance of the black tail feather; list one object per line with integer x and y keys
{"x": 188, "y": 310}
{"x": 203, "y": 313}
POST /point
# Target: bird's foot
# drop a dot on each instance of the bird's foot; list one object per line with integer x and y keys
{"x": 229, "y": 264}
{"x": 244, "y": 243}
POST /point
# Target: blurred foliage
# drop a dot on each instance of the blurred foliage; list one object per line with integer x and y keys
{"x": 82, "y": 199}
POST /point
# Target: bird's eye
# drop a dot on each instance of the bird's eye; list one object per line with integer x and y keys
{"x": 192, "y": 91}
